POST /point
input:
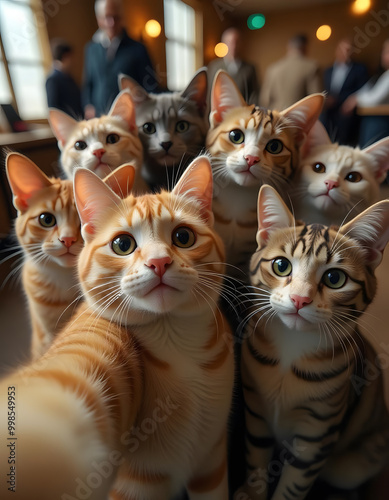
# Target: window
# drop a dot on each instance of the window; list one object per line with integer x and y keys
{"x": 183, "y": 30}
{"x": 23, "y": 65}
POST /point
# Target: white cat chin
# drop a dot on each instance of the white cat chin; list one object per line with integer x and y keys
{"x": 245, "y": 178}
{"x": 296, "y": 322}
{"x": 102, "y": 170}
{"x": 325, "y": 202}
{"x": 66, "y": 260}
{"x": 161, "y": 299}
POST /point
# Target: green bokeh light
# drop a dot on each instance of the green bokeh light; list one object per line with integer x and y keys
{"x": 256, "y": 21}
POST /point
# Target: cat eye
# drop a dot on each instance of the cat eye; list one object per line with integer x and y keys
{"x": 354, "y": 177}
{"x": 281, "y": 266}
{"x": 47, "y": 220}
{"x": 182, "y": 126}
{"x": 183, "y": 237}
{"x": 80, "y": 145}
{"x": 112, "y": 138}
{"x": 124, "y": 244}
{"x": 274, "y": 146}
{"x": 236, "y": 136}
{"x": 149, "y": 128}
{"x": 334, "y": 278}
{"x": 319, "y": 168}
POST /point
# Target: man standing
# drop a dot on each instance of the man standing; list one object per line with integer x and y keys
{"x": 242, "y": 72}
{"x": 110, "y": 53}
{"x": 291, "y": 78}
{"x": 340, "y": 81}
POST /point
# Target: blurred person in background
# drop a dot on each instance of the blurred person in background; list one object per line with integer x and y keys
{"x": 111, "y": 52}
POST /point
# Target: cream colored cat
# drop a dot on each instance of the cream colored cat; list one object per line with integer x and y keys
{"x": 100, "y": 144}
{"x": 333, "y": 181}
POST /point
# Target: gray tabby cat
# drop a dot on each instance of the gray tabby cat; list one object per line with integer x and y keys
{"x": 172, "y": 127}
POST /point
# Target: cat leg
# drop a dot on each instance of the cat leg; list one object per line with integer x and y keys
{"x": 259, "y": 450}
{"x": 138, "y": 484}
{"x": 210, "y": 481}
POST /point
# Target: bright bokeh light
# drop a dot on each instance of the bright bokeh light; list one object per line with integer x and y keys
{"x": 360, "y": 6}
{"x": 323, "y": 32}
{"x": 256, "y": 21}
{"x": 153, "y": 28}
{"x": 221, "y": 49}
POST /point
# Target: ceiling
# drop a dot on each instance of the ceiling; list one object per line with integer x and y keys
{"x": 246, "y": 7}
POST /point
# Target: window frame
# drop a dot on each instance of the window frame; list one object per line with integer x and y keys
{"x": 45, "y": 61}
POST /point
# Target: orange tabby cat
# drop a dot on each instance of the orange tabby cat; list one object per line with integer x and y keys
{"x": 48, "y": 229}
{"x": 100, "y": 144}
{"x": 157, "y": 406}
{"x": 154, "y": 264}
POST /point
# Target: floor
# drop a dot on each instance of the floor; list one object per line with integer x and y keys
{"x": 14, "y": 329}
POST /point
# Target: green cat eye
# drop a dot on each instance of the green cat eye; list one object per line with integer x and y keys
{"x": 47, "y": 220}
{"x": 183, "y": 237}
{"x": 112, "y": 138}
{"x": 274, "y": 146}
{"x": 124, "y": 244}
{"x": 236, "y": 136}
{"x": 80, "y": 145}
{"x": 182, "y": 126}
{"x": 354, "y": 177}
{"x": 281, "y": 266}
{"x": 149, "y": 128}
{"x": 334, "y": 278}
{"x": 319, "y": 168}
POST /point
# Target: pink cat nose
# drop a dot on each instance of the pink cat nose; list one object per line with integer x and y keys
{"x": 251, "y": 160}
{"x": 299, "y": 301}
{"x": 331, "y": 184}
{"x": 99, "y": 153}
{"x": 159, "y": 266}
{"x": 68, "y": 240}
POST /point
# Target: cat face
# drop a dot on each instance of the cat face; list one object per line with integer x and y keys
{"x": 316, "y": 278}
{"x": 152, "y": 254}
{"x": 171, "y": 126}
{"x": 251, "y": 145}
{"x": 100, "y": 144}
{"x": 48, "y": 225}
{"x": 336, "y": 178}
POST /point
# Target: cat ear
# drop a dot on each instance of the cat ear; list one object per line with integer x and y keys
{"x": 94, "y": 200}
{"x": 379, "y": 151}
{"x": 25, "y": 179}
{"x": 225, "y": 95}
{"x": 62, "y": 125}
{"x": 304, "y": 113}
{"x": 121, "y": 180}
{"x": 123, "y": 106}
{"x": 196, "y": 182}
{"x": 138, "y": 93}
{"x": 272, "y": 214}
{"x": 317, "y": 136}
{"x": 371, "y": 230}
{"x": 197, "y": 90}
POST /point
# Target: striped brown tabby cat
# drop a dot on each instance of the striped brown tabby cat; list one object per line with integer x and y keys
{"x": 155, "y": 265}
{"x": 313, "y": 410}
{"x": 333, "y": 180}
{"x": 250, "y": 146}
{"x": 48, "y": 230}
{"x": 151, "y": 270}
{"x": 100, "y": 144}
{"x": 172, "y": 127}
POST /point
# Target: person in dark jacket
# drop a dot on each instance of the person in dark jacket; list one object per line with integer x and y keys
{"x": 340, "y": 81}
{"x": 111, "y": 52}
{"x": 61, "y": 89}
